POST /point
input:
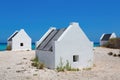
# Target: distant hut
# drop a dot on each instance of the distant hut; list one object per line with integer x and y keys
{"x": 66, "y": 44}
{"x": 105, "y": 37}
{"x": 19, "y": 40}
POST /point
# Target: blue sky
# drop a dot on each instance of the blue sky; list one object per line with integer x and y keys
{"x": 37, "y": 16}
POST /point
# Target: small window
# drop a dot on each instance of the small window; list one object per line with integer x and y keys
{"x": 75, "y": 58}
{"x": 21, "y": 44}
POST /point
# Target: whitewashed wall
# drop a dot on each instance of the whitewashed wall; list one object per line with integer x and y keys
{"x": 103, "y": 42}
{"x": 113, "y": 35}
{"x": 74, "y": 42}
{"x": 46, "y": 57}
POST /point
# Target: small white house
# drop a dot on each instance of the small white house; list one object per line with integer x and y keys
{"x": 66, "y": 44}
{"x": 19, "y": 40}
{"x": 105, "y": 37}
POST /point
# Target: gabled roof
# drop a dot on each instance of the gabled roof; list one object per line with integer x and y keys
{"x": 106, "y": 37}
{"x": 14, "y": 34}
{"x": 52, "y": 36}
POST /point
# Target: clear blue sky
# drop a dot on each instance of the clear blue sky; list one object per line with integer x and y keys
{"x": 36, "y": 16}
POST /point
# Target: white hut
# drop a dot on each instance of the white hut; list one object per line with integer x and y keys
{"x": 105, "y": 37}
{"x": 66, "y": 44}
{"x": 19, "y": 40}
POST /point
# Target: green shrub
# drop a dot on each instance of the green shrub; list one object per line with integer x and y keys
{"x": 113, "y": 43}
{"x": 40, "y": 66}
{"x": 75, "y": 69}
{"x": 118, "y": 55}
{"x": 35, "y": 74}
{"x": 115, "y": 55}
{"x": 66, "y": 67}
{"x": 110, "y": 53}
{"x": 61, "y": 66}
{"x": 37, "y": 64}
{"x": 35, "y": 59}
{"x": 8, "y": 48}
{"x": 87, "y": 68}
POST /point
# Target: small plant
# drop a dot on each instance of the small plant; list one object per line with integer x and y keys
{"x": 8, "y": 47}
{"x": 66, "y": 67}
{"x": 94, "y": 65}
{"x": 60, "y": 67}
{"x": 114, "y": 55}
{"x": 34, "y": 74}
{"x": 35, "y": 59}
{"x": 37, "y": 64}
{"x": 118, "y": 55}
{"x": 87, "y": 68}
{"x": 40, "y": 66}
{"x": 75, "y": 69}
{"x": 34, "y": 64}
{"x": 110, "y": 53}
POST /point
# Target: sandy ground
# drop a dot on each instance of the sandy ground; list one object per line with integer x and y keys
{"x": 16, "y": 65}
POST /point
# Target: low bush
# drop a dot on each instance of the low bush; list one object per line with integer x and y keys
{"x": 66, "y": 67}
{"x": 61, "y": 66}
{"x": 8, "y": 48}
{"x": 37, "y": 64}
{"x": 87, "y": 68}
{"x": 110, "y": 53}
{"x": 113, "y": 43}
{"x": 115, "y": 55}
{"x": 118, "y": 55}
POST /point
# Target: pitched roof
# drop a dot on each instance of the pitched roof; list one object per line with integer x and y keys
{"x": 14, "y": 34}
{"x": 106, "y": 37}
{"x": 46, "y": 44}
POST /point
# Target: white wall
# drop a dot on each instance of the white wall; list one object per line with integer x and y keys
{"x": 74, "y": 42}
{"x": 103, "y": 42}
{"x": 21, "y": 37}
{"x": 113, "y": 35}
{"x": 46, "y": 57}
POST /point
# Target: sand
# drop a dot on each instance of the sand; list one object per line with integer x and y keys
{"x": 16, "y": 65}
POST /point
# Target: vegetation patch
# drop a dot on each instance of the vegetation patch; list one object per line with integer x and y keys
{"x": 61, "y": 66}
{"x": 66, "y": 67}
{"x": 110, "y": 53}
{"x": 113, "y": 43}
{"x": 115, "y": 55}
{"x": 8, "y": 48}
{"x": 87, "y": 68}
{"x": 37, "y": 64}
{"x": 35, "y": 74}
{"x": 94, "y": 65}
{"x": 118, "y": 55}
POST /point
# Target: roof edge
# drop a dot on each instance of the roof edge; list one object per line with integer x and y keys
{"x": 13, "y": 34}
{"x": 44, "y": 36}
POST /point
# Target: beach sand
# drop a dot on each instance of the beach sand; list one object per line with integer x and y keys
{"x": 16, "y": 65}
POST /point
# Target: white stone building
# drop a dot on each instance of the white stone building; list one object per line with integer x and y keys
{"x": 19, "y": 40}
{"x": 66, "y": 44}
{"x": 105, "y": 37}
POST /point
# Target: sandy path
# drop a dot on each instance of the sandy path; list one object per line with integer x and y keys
{"x": 17, "y": 66}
